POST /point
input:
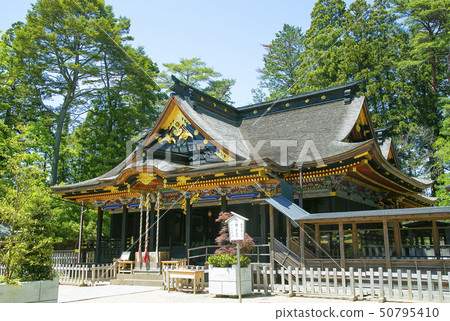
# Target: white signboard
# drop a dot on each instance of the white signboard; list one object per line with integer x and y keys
{"x": 236, "y": 227}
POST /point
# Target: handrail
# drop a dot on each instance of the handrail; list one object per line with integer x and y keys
{"x": 284, "y": 247}
{"x": 307, "y": 251}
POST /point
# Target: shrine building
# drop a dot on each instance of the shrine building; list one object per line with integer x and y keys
{"x": 314, "y": 178}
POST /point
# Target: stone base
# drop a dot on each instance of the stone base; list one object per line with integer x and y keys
{"x": 223, "y": 281}
{"x": 28, "y": 292}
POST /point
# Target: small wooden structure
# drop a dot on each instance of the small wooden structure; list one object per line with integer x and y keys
{"x": 184, "y": 279}
{"x": 124, "y": 265}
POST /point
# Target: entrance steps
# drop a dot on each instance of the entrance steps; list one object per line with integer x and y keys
{"x": 139, "y": 278}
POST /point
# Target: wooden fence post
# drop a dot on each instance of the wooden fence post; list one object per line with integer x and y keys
{"x": 381, "y": 297}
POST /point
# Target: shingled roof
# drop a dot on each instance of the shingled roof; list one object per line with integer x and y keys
{"x": 312, "y": 127}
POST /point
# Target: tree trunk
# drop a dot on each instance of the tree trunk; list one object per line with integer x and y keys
{"x": 56, "y": 145}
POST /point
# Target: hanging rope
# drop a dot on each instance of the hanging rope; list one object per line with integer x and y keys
{"x": 147, "y": 219}
{"x": 157, "y": 207}
{"x": 141, "y": 207}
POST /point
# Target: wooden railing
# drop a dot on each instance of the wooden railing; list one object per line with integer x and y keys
{"x": 70, "y": 257}
{"x": 64, "y": 257}
{"x": 375, "y": 284}
{"x": 85, "y": 274}
{"x": 365, "y": 264}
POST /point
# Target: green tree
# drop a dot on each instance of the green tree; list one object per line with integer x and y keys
{"x": 196, "y": 73}
{"x": 61, "y": 48}
{"x": 443, "y": 153}
{"x": 322, "y": 55}
{"x": 284, "y": 56}
{"x": 427, "y": 63}
{"x": 121, "y": 109}
{"x": 25, "y": 206}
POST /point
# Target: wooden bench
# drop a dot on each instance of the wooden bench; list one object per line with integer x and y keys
{"x": 197, "y": 277}
{"x": 124, "y": 262}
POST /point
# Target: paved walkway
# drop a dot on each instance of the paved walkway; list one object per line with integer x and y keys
{"x": 148, "y": 294}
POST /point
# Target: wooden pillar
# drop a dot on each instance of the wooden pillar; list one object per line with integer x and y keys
{"x": 355, "y": 240}
{"x": 288, "y": 232}
{"x": 123, "y": 234}
{"x": 152, "y": 232}
{"x": 263, "y": 215}
{"x": 436, "y": 243}
{"x": 272, "y": 236}
{"x": 341, "y": 244}
{"x": 387, "y": 252}
{"x": 99, "y": 235}
{"x": 302, "y": 245}
{"x": 397, "y": 240}
{"x": 80, "y": 234}
{"x": 300, "y": 193}
{"x": 317, "y": 239}
{"x": 223, "y": 203}
{"x": 188, "y": 224}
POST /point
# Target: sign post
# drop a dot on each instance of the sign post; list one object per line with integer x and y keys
{"x": 236, "y": 232}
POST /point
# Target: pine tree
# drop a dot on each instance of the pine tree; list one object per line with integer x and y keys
{"x": 283, "y": 58}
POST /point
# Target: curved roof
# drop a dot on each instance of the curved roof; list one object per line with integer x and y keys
{"x": 311, "y": 128}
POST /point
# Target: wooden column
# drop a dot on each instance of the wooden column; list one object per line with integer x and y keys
{"x": 288, "y": 232}
{"x": 317, "y": 239}
{"x": 302, "y": 245}
{"x": 397, "y": 240}
{"x": 263, "y": 215}
{"x": 341, "y": 244}
{"x": 436, "y": 243}
{"x": 387, "y": 252}
{"x": 123, "y": 234}
{"x": 188, "y": 224}
{"x": 99, "y": 235}
{"x": 300, "y": 193}
{"x": 152, "y": 232}
{"x": 223, "y": 203}
{"x": 355, "y": 240}
{"x": 271, "y": 248}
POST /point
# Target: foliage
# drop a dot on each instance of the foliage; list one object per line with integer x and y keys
{"x": 283, "y": 58}
{"x": 196, "y": 73}
{"x": 25, "y": 206}
{"x": 227, "y": 260}
{"x": 72, "y": 53}
{"x": 399, "y": 50}
{"x": 223, "y": 240}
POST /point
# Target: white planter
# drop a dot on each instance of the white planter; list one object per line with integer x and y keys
{"x": 223, "y": 281}
{"x": 27, "y": 292}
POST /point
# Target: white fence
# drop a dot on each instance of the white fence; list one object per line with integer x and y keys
{"x": 85, "y": 274}
{"x": 64, "y": 257}
{"x": 399, "y": 285}
{"x": 70, "y": 257}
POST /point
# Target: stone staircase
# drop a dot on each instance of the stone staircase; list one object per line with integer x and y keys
{"x": 139, "y": 278}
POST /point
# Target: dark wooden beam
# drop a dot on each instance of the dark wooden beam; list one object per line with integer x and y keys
{"x": 152, "y": 231}
{"x": 188, "y": 224}
{"x": 123, "y": 234}
{"x": 436, "y": 243}
{"x": 387, "y": 251}
{"x": 341, "y": 244}
{"x": 98, "y": 242}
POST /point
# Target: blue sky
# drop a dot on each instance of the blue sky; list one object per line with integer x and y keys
{"x": 227, "y": 35}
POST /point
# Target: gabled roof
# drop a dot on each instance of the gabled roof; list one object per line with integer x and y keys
{"x": 311, "y": 129}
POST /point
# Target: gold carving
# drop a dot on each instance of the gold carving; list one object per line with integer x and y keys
{"x": 145, "y": 178}
{"x": 181, "y": 180}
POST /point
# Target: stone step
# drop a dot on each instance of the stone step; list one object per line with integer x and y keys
{"x": 158, "y": 283}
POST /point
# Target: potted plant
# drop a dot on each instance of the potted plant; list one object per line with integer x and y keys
{"x": 223, "y": 264}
